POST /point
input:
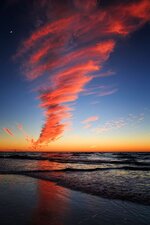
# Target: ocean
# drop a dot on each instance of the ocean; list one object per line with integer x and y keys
{"x": 124, "y": 176}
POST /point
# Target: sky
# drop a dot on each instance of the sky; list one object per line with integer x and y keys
{"x": 74, "y": 75}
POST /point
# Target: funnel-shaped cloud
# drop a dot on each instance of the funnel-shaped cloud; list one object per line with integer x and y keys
{"x": 70, "y": 48}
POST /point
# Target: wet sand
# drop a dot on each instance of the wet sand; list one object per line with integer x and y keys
{"x": 29, "y": 201}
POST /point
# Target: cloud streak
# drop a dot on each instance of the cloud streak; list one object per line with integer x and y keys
{"x": 70, "y": 48}
{"x": 8, "y": 131}
{"x": 88, "y": 122}
{"x": 99, "y": 91}
{"x": 110, "y": 125}
{"x": 130, "y": 120}
{"x": 90, "y": 119}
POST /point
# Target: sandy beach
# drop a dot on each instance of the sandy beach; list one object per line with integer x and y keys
{"x": 30, "y": 201}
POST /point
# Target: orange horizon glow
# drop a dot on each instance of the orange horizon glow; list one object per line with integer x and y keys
{"x": 113, "y": 148}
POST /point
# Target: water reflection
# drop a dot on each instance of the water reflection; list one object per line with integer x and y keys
{"x": 52, "y": 206}
{"x": 28, "y": 201}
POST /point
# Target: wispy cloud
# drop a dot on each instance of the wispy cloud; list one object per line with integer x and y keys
{"x": 130, "y": 120}
{"x": 8, "y": 131}
{"x": 108, "y": 91}
{"x": 71, "y": 46}
{"x": 94, "y": 102}
{"x": 135, "y": 119}
{"x": 88, "y": 121}
{"x": 105, "y": 74}
{"x": 110, "y": 125}
{"x": 102, "y": 90}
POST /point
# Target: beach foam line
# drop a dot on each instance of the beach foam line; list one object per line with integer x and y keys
{"x": 71, "y": 179}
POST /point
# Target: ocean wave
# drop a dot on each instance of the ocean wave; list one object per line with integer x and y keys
{"x": 68, "y": 158}
{"x": 100, "y": 183}
{"x": 74, "y": 170}
{"x": 123, "y": 176}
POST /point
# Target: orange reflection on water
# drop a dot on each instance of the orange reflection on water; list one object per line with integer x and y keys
{"x": 52, "y": 206}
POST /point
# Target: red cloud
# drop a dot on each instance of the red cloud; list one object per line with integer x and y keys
{"x": 90, "y": 119}
{"x": 99, "y": 53}
{"x": 88, "y": 122}
{"x": 8, "y": 131}
{"x": 71, "y": 47}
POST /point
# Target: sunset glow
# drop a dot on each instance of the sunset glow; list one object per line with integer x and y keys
{"x": 76, "y": 77}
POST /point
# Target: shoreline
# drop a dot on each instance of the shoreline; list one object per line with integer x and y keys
{"x": 31, "y": 201}
{"x": 67, "y": 184}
